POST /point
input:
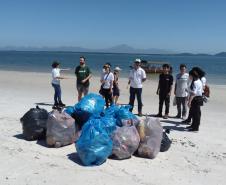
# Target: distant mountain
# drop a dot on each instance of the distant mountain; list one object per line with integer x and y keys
{"x": 192, "y": 54}
{"x": 123, "y": 48}
{"x": 221, "y": 54}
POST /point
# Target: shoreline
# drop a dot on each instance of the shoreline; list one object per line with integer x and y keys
{"x": 96, "y": 76}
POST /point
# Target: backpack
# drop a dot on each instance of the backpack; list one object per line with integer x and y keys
{"x": 34, "y": 123}
{"x": 206, "y": 92}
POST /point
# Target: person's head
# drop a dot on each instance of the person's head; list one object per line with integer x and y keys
{"x": 193, "y": 75}
{"x": 82, "y": 60}
{"x": 55, "y": 64}
{"x": 137, "y": 63}
{"x": 165, "y": 68}
{"x": 200, "y": 72}
{"x": 117, "y": 70}
{"x": 183, "y": 68}
{"x": 106, "y": 68}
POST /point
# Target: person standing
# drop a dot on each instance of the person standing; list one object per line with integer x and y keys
{"x": 164, "y": 90}
{"x": 106, "y": 80}
{"x": 202, "y": 77}
{"x": 56, "y": 77}
{"x": 83, "y": 75}
{"x": 136, "y": 77}
{"x": 181, "y": 91}
{"x": 195, "y": 100}
{"x": 116, "y": 90}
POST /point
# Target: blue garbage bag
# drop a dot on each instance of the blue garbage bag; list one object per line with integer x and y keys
{"x": 124, "y": 114}
{"x": 108, "y": 123}
{"x": 91, "y": 104}
{"x": 112, "y": 110}
{"x": 94, "y": 145}
{"x": 69, "y": 110}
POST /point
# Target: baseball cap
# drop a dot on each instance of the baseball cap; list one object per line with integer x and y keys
{"x": 137, "y": 60}
{"x": 117, "y": 69}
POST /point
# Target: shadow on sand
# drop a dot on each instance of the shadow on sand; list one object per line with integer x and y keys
{"x": 19, "y": 136}
{"x": 44, "y": 104}
{"x": 75, "y": 158}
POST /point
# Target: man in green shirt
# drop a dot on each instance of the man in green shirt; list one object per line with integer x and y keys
{"x": 83, "y": 75}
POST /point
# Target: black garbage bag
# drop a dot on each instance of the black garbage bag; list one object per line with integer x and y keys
{"x": 34, "y": 123}
{"x": 166, "y": 142}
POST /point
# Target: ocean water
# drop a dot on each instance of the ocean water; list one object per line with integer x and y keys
{"x": 215, "y": 67}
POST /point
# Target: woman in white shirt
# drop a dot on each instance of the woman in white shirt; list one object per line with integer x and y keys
{"x": 106, "y": 80}
{"x": 195, "y": 100}
{"x": 56, "y": 85}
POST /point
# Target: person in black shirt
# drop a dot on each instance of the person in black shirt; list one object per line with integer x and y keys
{"x": 164, "y": 90}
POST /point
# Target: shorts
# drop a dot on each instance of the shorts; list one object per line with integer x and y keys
{"x": 116, "y": 92}
{"x": 83, "y": 89}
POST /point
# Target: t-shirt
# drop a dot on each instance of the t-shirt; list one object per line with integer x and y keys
{"x": 55, "y": 73}
{"x": 108, "y": 79}
{"x": 82, "y": 73}
{"x": 165, "y": 83}
{"x": 182, "y": 85}
{"x": 136, "y": 77}
{"x": 197, "y": 88}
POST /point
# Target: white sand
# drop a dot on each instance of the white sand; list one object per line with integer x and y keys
{"x": 194, "y": 158}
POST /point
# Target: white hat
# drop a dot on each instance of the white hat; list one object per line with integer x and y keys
{"x": 137, "y": 60}
{"x": 117, "y": 69}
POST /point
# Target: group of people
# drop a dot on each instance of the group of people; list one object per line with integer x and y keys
{"x": 188, "y": 89}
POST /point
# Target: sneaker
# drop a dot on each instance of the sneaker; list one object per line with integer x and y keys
{"x": 62, "y": 104}
{"x": 158, "y": 115}
{"x": 140, "y": 114}
{"x": 55, "y": 106}
{"x": 165, "y": 116}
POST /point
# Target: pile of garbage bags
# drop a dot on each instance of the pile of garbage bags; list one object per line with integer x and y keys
{"x": 98, "y": 133}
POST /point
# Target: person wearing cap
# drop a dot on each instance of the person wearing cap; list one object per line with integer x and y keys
{"x": 116, "y": 90}
{"x": 83, "y": 75}
{"x": 106, "y": 80}
{"x": 136, "y": 77}
{"x": 56, "y": 77}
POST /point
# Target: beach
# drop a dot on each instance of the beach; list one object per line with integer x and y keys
{"x": 194, "y": 158}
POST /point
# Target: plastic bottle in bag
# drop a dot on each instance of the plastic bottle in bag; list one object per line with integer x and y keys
{"x": 150, "y": 132}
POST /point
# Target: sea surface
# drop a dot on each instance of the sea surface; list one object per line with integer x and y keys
{"x": 215, "y": 67}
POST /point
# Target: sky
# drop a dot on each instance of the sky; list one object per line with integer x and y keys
{"x": 197, "y": 26}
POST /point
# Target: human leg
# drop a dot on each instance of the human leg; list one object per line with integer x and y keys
{"x": 131, "y": 98}
{"x": 178, "y": 100}
{"x": 139, "y": 100}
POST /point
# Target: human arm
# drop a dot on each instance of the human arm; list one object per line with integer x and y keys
{"x": 65, "y": 69}
{"x": 144, "y": 77}
{"x": 87, "y": 78}
{"x": 171, "y": 85}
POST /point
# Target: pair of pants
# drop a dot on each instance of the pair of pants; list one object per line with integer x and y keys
{"x": 195, "y": 114}
{"x": 135, "y": 92}
{"x": 57, "y": 94}
{"x": 107, "y": 96}
{"x": 164, "y": 98}
{"x": 181, "y": 101}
